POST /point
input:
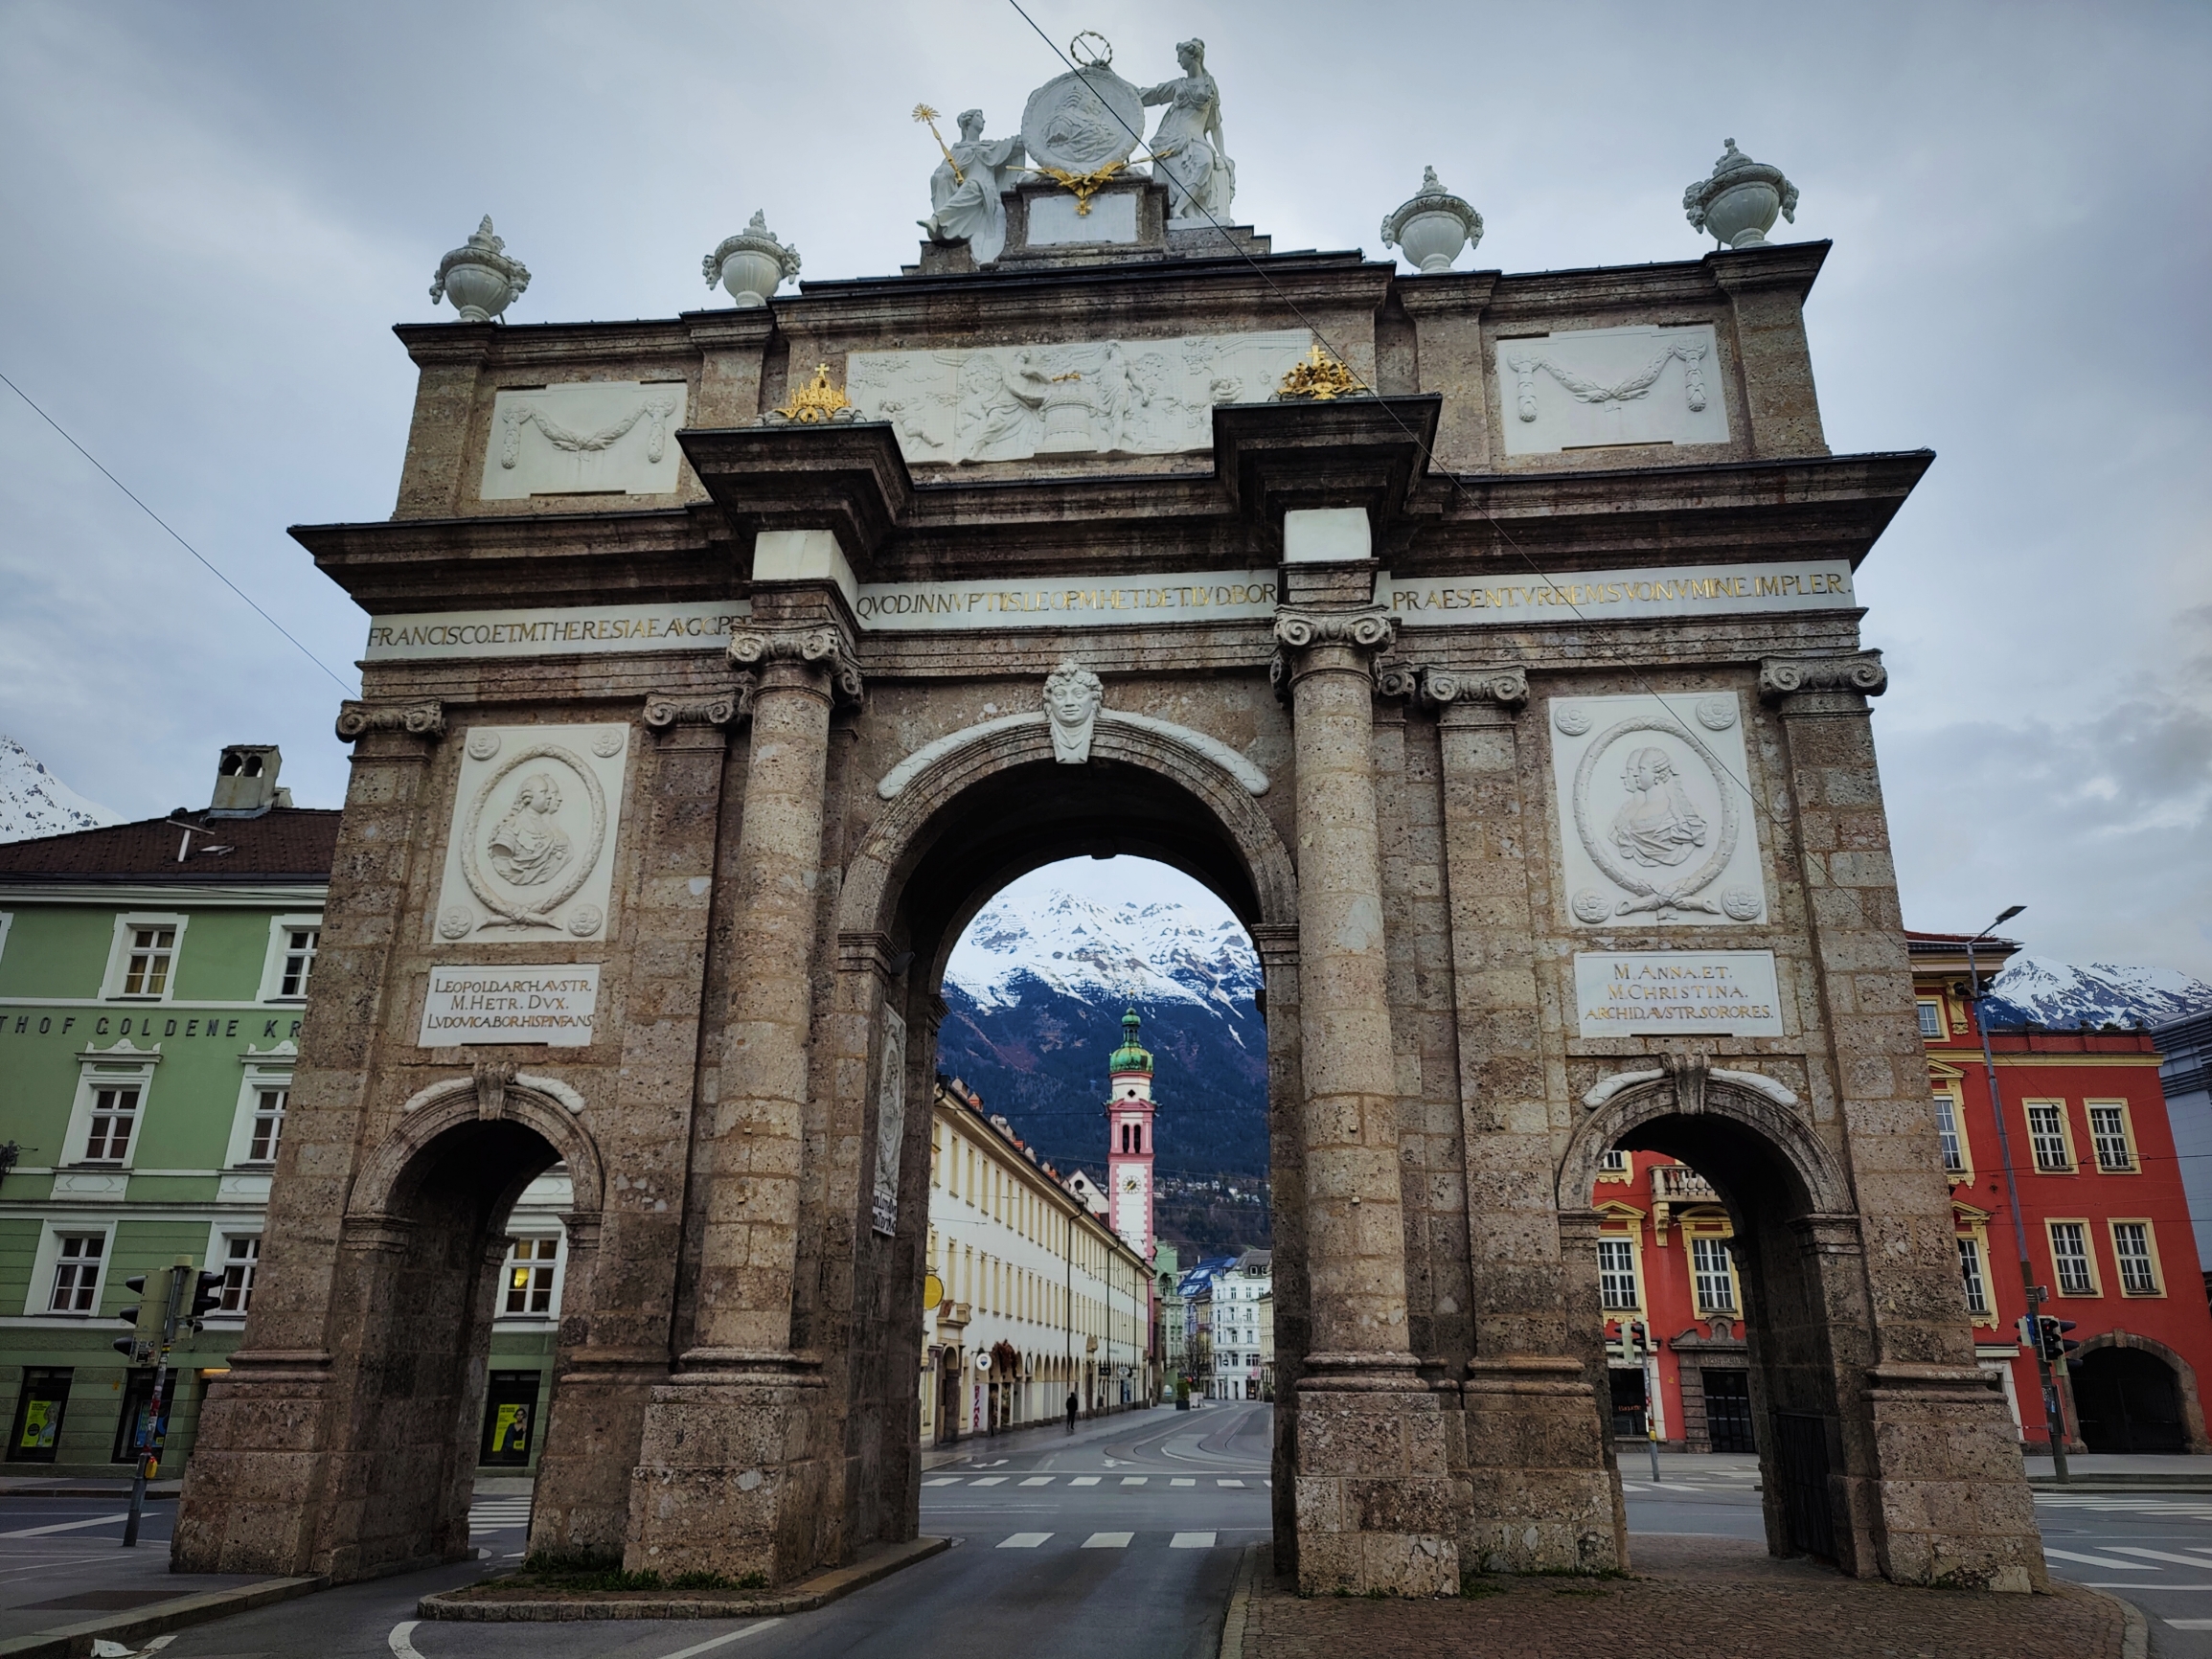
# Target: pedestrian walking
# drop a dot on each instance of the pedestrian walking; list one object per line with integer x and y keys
{"x": 1071, "y": 1406}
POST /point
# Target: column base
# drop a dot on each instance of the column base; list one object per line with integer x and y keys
{"x": 247, "y": 1507}
{"x": 1378, "y": 1506}
{"x": 1546, "y": 1496}
{"x": 1949, "y": 1505}
{"x": 580, "y": 1503}
{"x": 730, "y": 1476}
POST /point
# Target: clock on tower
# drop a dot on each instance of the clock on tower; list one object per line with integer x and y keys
{"x": 1129, "y": 1146}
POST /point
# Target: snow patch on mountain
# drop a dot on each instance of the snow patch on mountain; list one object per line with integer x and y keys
{"x": 34, "y": 801}
{"x": 1093, "y": 951}
{"x": 2061, "y": 995}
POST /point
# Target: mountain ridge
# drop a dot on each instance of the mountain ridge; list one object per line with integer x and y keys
{"x": 34, "y": 803}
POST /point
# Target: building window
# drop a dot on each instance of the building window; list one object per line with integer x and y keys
{"x": 2070, "y": 1258}
{"x": 242, "y": 1255}
{"x": 2137, "y": 1256}
{"x": 530, "y": 1272}
{"x": 1948, "y": 1133}
{"x": 142, "y": 961}
{"x": 2108, "y": 1134}
{"x": 299, "y": 947}
{"x": 109, "y": 1130}
{"x": 1709, "y": 1266}
{"x": 2047, "y": 1134}
{"x": 1970, "y": 1270}
{"x": 268, "y": 1124}
{"x": 1932, "y": 1019}
{"x": 1617, "y": 1275}
{"x": 77, "y": 1273}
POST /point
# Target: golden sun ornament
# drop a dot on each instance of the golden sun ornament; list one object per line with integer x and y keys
{"x": 1320, "y": 377}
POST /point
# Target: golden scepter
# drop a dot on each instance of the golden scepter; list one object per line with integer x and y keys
{"x": 929, "y": 118}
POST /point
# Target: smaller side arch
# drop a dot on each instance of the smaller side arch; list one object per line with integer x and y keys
{"x": 1688, "y": 1090}
{"x": 457, "y": 1101}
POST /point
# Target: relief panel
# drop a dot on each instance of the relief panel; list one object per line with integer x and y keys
{"x": 1655, "y": 819}
{"x": 588, "y": 437}
{"x": 1595, "y": 388}
{"x": 1088, "y": 398}
{"x": 529, "y": 854}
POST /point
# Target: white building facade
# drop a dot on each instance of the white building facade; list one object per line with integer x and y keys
{"x": 1243, "y": 1337}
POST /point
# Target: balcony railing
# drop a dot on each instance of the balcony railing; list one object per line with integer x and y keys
{"x": 1673, "y": 1181}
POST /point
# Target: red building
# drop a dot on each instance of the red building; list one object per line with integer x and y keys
{"x": 2101, "y": 1202}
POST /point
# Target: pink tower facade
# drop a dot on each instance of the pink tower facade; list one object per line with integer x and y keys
{"x": 1129, "y": 1146}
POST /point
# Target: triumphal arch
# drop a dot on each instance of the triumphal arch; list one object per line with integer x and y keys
{"x": 1489, "y": 642}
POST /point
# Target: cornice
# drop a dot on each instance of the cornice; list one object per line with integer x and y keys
{"x": 514, "y": 344}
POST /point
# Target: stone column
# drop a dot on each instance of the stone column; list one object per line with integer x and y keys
{"x": 619, "y": 1301}
{"x": 1931, "y": 1473}
{"x": 1547, "y": 1495}
{"x": 730, "y": 1473}
{"x": 261, "y": 1493}
{"x": 1377, "y": 1507}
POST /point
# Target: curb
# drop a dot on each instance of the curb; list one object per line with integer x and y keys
{"x": 2123, "y": 1484}
{"x": 803, "y": 1597}
{"x": 74, "y": 1641}
{"x": 1241, "y": 1603}
{"x": 2134, "y": 1629}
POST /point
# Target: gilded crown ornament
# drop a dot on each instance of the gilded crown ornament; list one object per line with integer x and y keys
{"x": 479, "y": 277}
{"x": 815, "y": 402}
{"x": 751, "y": 265}
{"x": 1318, "y": 377}
{"x": 1738, "y": 201}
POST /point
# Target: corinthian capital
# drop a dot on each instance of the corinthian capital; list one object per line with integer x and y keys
{"x": 817, "y": 646}
{"x": 424, "y": 718}
{"x": 1862, "y": 672}
{"x": 665, "y": 710}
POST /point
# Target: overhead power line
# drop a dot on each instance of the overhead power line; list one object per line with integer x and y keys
{"x": 173, "y": 536}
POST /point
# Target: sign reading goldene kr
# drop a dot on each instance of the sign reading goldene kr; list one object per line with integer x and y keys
{"x": 1632, "y": 993}
{"x": 511, "y": 1005}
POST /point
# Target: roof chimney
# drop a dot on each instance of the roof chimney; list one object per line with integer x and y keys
{"x": 245, "y": 781}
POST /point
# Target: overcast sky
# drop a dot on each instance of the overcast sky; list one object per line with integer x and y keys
{"x": 214, "y": 213}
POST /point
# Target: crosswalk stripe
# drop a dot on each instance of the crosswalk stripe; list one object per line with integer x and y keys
{"x": 1228, "y": 1483}
{"x": 2196, "y": 1561}
{"x": 1085, "y": 1480}
{"x": 1180, "y": 1481}
{"x": 2191, "y": 1624}
{"x": 942, "y": 1481}
{"x": 2097, "y": 1561}
{"x": 1038, "y": 1481}
{"x": 1108, "y": 1540}
{"x": 1190, "y": 1541}
{"x": 1133, "y": 1480}
{"x": 1023, "y": 1540}
{"x": 989, "y": 1481}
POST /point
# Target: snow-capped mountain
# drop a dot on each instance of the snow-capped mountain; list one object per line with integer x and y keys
{"x": 1036, "y": 990}
{"x": 34, "y": 801}
{"x": 2061, "y": 995}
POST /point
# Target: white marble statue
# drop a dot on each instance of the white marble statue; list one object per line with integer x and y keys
{"x": 1072, "y": 697}
{"x": 966, "y": 192}
{"x": 1191, "y": 159}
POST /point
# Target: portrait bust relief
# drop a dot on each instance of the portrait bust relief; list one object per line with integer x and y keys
{"x": 1072, "y": 698}
{"x": 1656, "y": 821}
{"x": 530, "y": 855}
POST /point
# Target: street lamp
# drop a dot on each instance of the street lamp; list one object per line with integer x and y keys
{"x": 2054, "y": 1405}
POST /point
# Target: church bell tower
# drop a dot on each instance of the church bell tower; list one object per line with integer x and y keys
{"x": 1130, "y": 1149}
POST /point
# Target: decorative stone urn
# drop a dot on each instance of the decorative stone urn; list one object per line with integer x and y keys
{"x": 752, "y": 264}
{"x": 1738, "y": 203}
{"x": 479, "y": 278}
{"x": 1433, "y": 226}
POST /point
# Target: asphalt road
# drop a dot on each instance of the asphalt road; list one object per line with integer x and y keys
{"x": 1123, "y": 1540}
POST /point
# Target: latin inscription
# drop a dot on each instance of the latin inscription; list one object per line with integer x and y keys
{"x": 511, "y": 1005}
{"x": 1448, "y": 602}
{"x": 1627, "y": 993}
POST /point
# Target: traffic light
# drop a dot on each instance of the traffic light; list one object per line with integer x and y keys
{"x": 207, "y": 1294}
{"x": 2056, "y": 1344}
{"x": 128, "y": 1346}
{"x": 1639, "y": 1336}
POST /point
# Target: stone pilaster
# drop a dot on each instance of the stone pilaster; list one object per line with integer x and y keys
{"x": 618, "y": 1302}
{"x": 1547, "y": 1495}
{"x": 1929, "y": 1469}
{"x": 731, "y": 1474}
{"x": 1377, "y": 1507}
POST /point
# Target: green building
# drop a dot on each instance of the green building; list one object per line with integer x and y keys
{"x": 153, "y": 978}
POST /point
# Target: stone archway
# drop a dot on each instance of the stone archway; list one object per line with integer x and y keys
{"x": 2109, "y": 1396}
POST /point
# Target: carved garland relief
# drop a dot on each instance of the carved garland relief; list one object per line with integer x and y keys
{"x": 1655, "y": 818}
{"x": 1593, "y": 388}
{"x": 530, "y": 855}
{"x": 587, "y": 437}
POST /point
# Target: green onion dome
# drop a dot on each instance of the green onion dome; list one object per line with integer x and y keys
{"x": 1132, "y": 1055}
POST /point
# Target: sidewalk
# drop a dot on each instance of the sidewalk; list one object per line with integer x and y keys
{"x": 2125, "y": 1470}
{"x": 1697, "y": 1598}
{"x": 1034, "y": 1437}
